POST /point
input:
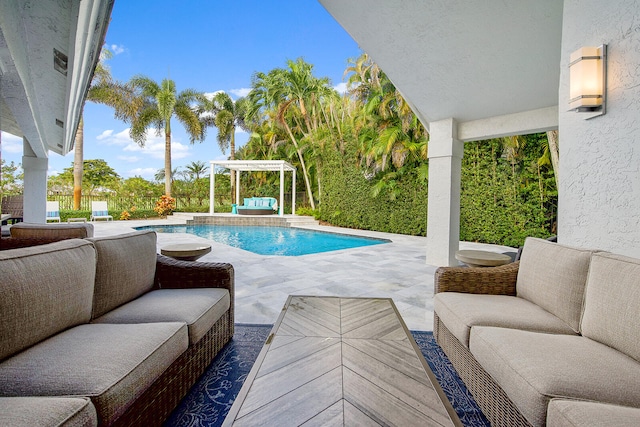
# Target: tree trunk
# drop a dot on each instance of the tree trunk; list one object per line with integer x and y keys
{"x": 78, "y": 165}
{"x": 552, "y": 137}
{"x": 305, "y": 174}
{"x": 167, "y": 162}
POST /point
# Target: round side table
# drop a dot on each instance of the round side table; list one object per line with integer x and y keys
{"x": 482, "y": 258}
{"x": 186, "y": 251}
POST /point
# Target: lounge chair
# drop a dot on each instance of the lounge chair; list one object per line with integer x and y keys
{"x": 99, "y": 211}
{"x": 12, "y": 205}
{"x": 53, "y": 211}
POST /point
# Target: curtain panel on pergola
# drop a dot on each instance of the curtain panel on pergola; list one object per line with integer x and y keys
{"x": 251, "y": 166}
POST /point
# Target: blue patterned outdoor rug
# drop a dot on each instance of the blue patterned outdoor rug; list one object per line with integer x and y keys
{"x": 212, "y": 396}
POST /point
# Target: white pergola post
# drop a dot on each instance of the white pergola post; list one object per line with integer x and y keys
{"x": 238, "y": 187}
{"x": 253, "y": 165}
{"x": 212, "y": 187}
{"x": 443, "y": 209}
{"x": 281, "y": 206}
{"x": 293, "y": 194}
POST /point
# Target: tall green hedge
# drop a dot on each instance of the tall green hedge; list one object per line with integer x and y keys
{"x": 503, "y": 198}
{"x": 346, "y": 199}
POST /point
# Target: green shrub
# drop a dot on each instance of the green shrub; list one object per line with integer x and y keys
{"x": 307, "y": 211}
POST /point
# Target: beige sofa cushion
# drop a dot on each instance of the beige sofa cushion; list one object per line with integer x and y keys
{"x": 24, "y": 230}
{"x": 111, "y": 364}
{"x": 532, "y": 368}
{"x": 612, "y": 303}
{"x": 553, "y": 276}
{"x": 45, "y": 289}
{"x": 125, "y": 269}
{"x": 199, "y": 308}
{"x": 47, "y": 411}
{"x": 460, "y": 311}
{"x": 572, "y": 413}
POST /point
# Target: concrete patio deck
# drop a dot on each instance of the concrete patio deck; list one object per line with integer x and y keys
{"x": 394, "y": 270}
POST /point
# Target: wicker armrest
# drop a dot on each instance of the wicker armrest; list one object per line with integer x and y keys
{"x": 477, "y": 280}
{"x": 172, "y": 274}
{"x": 24, "y": 242}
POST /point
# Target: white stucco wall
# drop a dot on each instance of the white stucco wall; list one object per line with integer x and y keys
{"x": 600, "y": 158}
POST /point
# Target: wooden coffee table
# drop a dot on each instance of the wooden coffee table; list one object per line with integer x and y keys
{"x": 340, "y": 361}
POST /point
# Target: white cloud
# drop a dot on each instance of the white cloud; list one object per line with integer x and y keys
{"x": 117, "y": 49}
{"x": 210, "y": 95}
{"x": 237, "y": 92}
{"x": 11, "y": 143}
{"x": 146, "y": 173}
{"x": 341, "y": 88}
{"x": 53, "y": 172}
{"x": 153, "y": 147}
{"x": 241, "y": 92}
{"x": 121, "y": 138}
{"x": 105, "y": 134}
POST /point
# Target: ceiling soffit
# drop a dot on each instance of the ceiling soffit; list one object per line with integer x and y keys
{"x": 464, "y": 60}
{"x": 48, "y": 50}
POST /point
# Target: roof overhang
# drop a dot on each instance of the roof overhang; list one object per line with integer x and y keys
{"x": 253, "y": 165}
{"x": 48, "y": 53}
{"x": 492, "y": 66}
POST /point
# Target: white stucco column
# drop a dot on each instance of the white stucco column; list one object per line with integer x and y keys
{"x": 443, "y": 209}
{"x": 35, "y": 186}
{"x": 212, "y": 187}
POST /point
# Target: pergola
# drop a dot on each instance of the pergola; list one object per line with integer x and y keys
{"x": 255, "y": 165}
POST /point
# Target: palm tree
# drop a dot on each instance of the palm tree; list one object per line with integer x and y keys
{"x": 388, "y": 131}
{"x": 159, "y": 103}
{"x": 196, "y": 169}
{"x": 103, "y": 90}
{"x": 294, "y": 93}
{"x": 160, "y": 175}
{"x": 227, "y": 116}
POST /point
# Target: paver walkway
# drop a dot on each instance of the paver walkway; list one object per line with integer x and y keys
{"x": 394, "y": 270}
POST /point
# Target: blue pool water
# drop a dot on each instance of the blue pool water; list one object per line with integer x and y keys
{"x": 271, "y": 240}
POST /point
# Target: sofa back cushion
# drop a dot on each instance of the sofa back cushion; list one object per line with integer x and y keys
{"x": 553, "y": 276}
{"x": 23, "y": 230}
{"x": 44, "y": 290}
{"x": 126, "y": 267}
{"x": 612, "y": 303}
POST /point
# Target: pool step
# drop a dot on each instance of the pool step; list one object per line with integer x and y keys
{"x": 295, "y": 221}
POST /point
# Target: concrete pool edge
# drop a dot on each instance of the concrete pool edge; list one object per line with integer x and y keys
{"x": 268, "y": 240}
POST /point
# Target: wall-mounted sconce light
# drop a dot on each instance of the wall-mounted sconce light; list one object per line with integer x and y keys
{"x": 588, "y": 80}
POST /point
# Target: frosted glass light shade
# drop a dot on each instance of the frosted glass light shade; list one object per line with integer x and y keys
{"x": 587, "y": 79}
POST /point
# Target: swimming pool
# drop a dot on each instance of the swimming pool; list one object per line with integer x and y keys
{"x": 271, "y": 240}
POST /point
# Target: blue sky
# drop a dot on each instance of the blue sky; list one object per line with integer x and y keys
{"x": 203, "y": 45}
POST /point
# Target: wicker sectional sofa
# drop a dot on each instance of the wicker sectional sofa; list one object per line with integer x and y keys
{"x": 104, "y": 331}
{"x": 552, "y": 339}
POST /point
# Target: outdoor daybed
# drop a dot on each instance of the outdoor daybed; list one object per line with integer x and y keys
{"x": 258, "y": 206}
{"x": 552, "y": 339}
{"x": 104, "y": 331}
